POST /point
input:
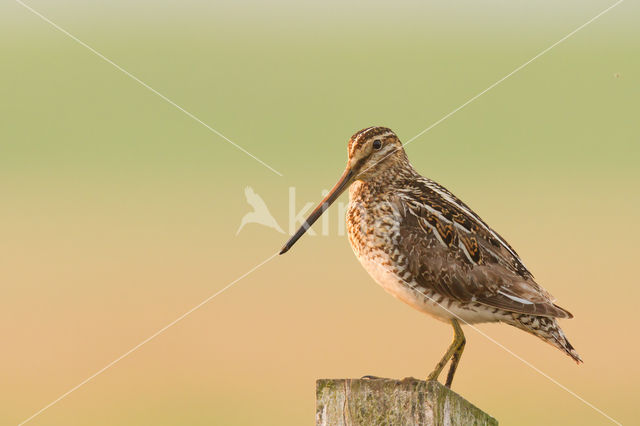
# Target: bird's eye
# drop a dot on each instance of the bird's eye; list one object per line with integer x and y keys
{"x": 377, "y": 144}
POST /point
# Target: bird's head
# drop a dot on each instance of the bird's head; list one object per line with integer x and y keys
{"x": 372, "y": 152}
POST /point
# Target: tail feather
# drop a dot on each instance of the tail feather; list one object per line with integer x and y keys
{"x": 547, "y": 329}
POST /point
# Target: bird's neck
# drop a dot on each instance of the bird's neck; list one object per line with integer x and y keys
{"x": 396, "y": 175}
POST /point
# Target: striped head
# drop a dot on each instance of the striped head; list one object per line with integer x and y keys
{"x": 372, "y": 151}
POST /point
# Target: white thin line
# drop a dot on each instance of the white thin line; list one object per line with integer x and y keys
{"x": 154, "y": 335}
{"x": 101, "y": 56}
{"x": 513, "y": 72}
{"x": 509, "y": 351}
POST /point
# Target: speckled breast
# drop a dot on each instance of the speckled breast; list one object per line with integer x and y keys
{"x": 372, "y": 222}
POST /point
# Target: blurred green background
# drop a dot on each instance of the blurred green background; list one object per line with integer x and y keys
{"x": 120, "y": 212}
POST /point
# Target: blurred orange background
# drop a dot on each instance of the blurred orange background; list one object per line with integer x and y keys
{"x": 120, "y": 212}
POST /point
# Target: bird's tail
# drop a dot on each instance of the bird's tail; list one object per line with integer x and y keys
{"x": 547, "y": 329}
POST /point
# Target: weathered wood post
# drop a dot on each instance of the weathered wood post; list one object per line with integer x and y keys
{"x": 370, "y": 402}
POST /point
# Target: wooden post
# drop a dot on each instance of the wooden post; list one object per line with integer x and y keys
{"x": 369, "y": 402}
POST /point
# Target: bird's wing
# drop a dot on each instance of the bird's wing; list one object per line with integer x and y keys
{"x": 451, "y": 250}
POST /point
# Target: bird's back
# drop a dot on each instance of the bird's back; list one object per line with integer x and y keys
{"x": 435, "y": 242}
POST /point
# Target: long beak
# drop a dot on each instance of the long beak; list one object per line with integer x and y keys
{"x": 342, "y": 184}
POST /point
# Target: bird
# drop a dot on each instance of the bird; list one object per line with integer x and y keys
{"x": 260, "y": 213}
{"x": 427, "y": 248}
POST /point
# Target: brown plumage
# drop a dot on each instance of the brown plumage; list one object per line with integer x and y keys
{"x": 429, "y": 249}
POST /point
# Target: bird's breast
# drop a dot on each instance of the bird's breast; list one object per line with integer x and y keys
{"x": 373, "y": 224}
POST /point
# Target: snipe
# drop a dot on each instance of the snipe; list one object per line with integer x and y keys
{"x": 430, "y": 250}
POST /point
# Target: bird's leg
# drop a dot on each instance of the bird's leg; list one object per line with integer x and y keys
{"x": 458, "y": 337}
{"x": 455, "y": 359}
